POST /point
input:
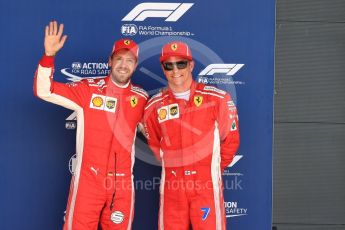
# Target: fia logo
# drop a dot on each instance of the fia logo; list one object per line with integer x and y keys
{"x": 129, "y": 29}
{"x": 171, "y": 11}
{"x": 71, "y": 121}
{"x": 76, "y": 65}
{"x": 203, "y": 80}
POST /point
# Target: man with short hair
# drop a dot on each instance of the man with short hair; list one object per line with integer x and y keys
{"x": 108, "y": 111}
{"x": 193, "y": 129}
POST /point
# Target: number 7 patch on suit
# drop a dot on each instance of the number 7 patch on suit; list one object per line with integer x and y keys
{"x": 206, "y": 212}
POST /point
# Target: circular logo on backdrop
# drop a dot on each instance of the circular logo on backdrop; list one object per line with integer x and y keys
{"x": 72, "y": 164}
{"x": 117, "y": 217}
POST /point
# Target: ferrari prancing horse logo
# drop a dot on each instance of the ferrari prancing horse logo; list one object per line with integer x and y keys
{"x": 173, "y": 46}
{"x": 198, "y": 100}
{"x": 134, "y": 101}
{"x": 127, "y": 42}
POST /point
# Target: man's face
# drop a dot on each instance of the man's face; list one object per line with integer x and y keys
{"x": 123, "y": 64}
{"x": 178, "y": 72}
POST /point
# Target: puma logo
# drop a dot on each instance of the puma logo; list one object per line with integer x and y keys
{"x": 94, "y": 170}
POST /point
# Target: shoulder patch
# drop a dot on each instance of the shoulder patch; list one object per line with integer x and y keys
{"x": 155, "y": 98}
{"x": 139, "y": 90}
{"x": 156, "y": 95}
{"x": 214, "y": 89}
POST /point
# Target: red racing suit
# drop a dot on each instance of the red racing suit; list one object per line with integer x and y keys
{"x": 102, "y": 187}
{"x": 195, "y": 140}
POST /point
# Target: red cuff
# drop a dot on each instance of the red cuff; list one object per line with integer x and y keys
{"x": 47, "y": 61}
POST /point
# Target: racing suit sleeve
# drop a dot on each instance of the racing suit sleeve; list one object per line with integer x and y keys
{"x": 152, "y": 130}
{"x": 69, "y": 95}
{"x": 229, "y": 130}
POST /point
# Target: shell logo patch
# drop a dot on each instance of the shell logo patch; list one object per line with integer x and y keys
{"x": 168, "y": 112}
{"x": 162, "y": 114}
{"x": 198, "y": 100}
{"x": 174, "y": 46}
{"x": 134, "y": 101}
{"x": 97, "y": 101}
{"x": 102, "y": 102}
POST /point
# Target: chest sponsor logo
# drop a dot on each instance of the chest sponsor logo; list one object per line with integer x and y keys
{"x": 173, "y": 110}
{"x": 198, "y": 100}
{"x": 110, "y": 104}
{"x": 97, "y": 101}
{"x": 102, "y": 102}
{"x": 134, "y": 101}
{"x": 168, "y": 112}
{"x": 162, "y": 114}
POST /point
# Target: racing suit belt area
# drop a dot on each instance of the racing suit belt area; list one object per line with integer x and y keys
{"x": 195, "y": 141}
{"x": 107, "y": 119}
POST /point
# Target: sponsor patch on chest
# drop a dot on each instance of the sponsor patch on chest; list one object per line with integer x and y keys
{"x": 198, "y": 99}
{"x": 168, "y": 112}
{"x": 102, "y": 102}
{"x": 134, "y": 101}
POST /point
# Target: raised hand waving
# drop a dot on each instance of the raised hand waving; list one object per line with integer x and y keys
{"x": 53, "y": 40}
